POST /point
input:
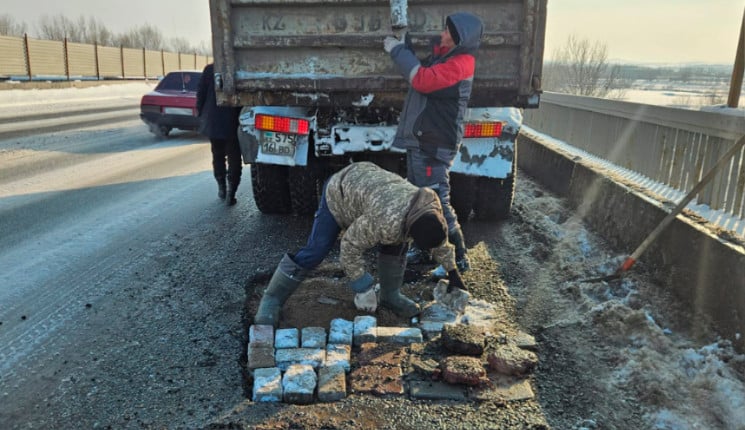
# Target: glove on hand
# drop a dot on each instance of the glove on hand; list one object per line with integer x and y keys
{"x": 391, "y": 42}
{"x": 454, "y": 280}
{"x": 367, "y": 301}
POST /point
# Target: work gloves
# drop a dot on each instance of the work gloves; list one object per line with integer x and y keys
{"x": 455, "y": 281}
{"x": 365, "y": 299}
{"x": 391, "y": 42}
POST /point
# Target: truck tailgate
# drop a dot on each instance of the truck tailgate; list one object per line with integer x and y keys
{"x": 315, "y": 53}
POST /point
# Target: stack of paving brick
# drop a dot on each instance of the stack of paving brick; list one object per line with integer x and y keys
{"x": 295, "y": 366}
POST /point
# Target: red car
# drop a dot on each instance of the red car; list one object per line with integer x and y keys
{"x": 172, "y": 104}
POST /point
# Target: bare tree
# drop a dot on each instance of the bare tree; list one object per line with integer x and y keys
{"x": 57, "y": 27}
{"x": 9, "y": 26}
{"x": 146, "y": 36}
{"x": 582, "y": 68}
{"x": 179, "y": 44}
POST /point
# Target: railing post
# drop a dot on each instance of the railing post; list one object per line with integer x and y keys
{"x": 179, "y": 59}
{"x": 144, "y": 64}
{"x": 28, "y": 55}
{"x": 66, "y": 58}
{"x": 121, "y": 58}
{"x": 162, "y": 63}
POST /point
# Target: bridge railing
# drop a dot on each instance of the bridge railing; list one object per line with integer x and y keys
{"x": 672, "y": 146}
{"x": 27, "y": 58}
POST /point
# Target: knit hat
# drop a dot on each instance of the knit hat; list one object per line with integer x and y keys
{"x": 429, "y": 230}
{"x": 453, "y": 31}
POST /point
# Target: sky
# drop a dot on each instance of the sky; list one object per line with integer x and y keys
{"x": 637, "y": 31}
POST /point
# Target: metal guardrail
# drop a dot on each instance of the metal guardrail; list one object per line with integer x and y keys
{"x": 26, "y": 58}
{"x": 675, "y": 147}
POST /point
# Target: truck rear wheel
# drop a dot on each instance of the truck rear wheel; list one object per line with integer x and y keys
{"x": 462, "y": 195}
{"x": 271, "y": 188}
{"x": 494, "y": 199}
{"x": 303, "y": 190}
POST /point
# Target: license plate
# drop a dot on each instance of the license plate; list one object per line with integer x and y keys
{"x": 278, "y": 143}
{"x": 177, "y": 111}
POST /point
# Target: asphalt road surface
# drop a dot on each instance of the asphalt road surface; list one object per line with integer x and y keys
{"x": 124, "y": 285}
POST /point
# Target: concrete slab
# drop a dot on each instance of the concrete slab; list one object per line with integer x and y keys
{"x": 435, "y": 390}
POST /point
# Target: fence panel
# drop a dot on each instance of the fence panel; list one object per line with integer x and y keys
{"x": 153, "y": 64}
{"x": 12, "y": 56}
{"x": 109, "y": 62}
{"x": 46, "y": 57}
{"x": 134, "y": 63}
{"x": 186, "y": 61}
{"x": 171, "y": 61}
{"x": 81, "y": 59}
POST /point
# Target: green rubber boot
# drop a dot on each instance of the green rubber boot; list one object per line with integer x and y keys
{"x": 391, "y": 270}
{"x": 286, "y": 279}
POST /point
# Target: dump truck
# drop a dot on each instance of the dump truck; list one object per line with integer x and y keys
{"x": 318, "y": 91}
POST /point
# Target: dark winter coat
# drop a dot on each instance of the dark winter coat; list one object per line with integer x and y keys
{"x": 440, "y": 87}
{"x": 375, "y": 206}
{"x": 217, "y": 122}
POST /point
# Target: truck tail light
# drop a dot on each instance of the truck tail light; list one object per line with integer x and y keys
{"x": 281, "y": 124}
{"x": 483, "y": 129}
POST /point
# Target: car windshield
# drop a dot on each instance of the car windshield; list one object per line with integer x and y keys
{"x": 180, "y": 81}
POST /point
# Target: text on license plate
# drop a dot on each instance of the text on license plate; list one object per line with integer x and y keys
{"x": 277, "y": 143}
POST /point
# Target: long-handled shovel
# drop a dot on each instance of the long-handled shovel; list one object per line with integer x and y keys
{"x": 630, "y": 260}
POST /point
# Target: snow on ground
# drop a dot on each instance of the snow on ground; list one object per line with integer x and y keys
{"x": 23, "y": 97}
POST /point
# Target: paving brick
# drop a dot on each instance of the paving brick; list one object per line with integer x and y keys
{"x": 431, "y": 329}
{"x": 341, "y": 331}
{"x": 338, "y": 355}
{"x": 502, "y": 388}
{"x": 314, "y": 357}
{"x": 463, "y": 370}
{"x": 404, "y": 335}
{"x": 260, "y": 356}
{"x": 261, "y": 335}
{"x": 378, "y": 380}
{"x": 287, "y": 338}
{"x": 299, "y": 384}
{"x": 437, "y": 312}
{"x": 313, "y": 337}
{"x": 267, "y": 385}
{"x": 332, "y": 383}
{"x": 381, "y": 354}
{"x": 435, "y": 390}
{"x": 480, "y": 313}
{"x": 510, "y": 360}
{"x": 364, "y": 329}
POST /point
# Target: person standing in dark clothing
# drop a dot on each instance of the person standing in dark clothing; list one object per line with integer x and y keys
{"x": 431, "y": 124}
{"x": 220, "y": 125}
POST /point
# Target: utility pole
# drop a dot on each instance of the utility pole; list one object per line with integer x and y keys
{"x": 737, "y": 71}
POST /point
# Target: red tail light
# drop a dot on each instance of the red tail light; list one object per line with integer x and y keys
{"x": 282, "y": 124}
{"x": 483, "y": 129}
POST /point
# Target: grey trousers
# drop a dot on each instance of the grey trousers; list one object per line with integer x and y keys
{"x": 423, "y": 170}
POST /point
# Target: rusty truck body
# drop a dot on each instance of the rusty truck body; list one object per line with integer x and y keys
{"x": 318, "y": 91}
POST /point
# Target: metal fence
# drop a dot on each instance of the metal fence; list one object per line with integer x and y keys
{"x": 672, "y": 146}
{"x": 26, "y": 58}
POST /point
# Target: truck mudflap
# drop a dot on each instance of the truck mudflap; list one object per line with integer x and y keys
{"x": 268, "y": 147}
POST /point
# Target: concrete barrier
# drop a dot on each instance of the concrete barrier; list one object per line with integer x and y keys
{"x": 705, "y": 271}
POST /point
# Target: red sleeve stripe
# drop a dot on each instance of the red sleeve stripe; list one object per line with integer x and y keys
{"x": 444, "y": 75}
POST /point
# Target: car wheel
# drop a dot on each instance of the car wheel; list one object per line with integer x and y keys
{"x": 303, "y": 190}
{"x": 462, "y": 195}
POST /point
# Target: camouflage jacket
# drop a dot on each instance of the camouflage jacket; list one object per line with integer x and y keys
{"x": 373, "y": 206}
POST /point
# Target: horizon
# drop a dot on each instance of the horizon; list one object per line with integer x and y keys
{"x": 640, "y": 32}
